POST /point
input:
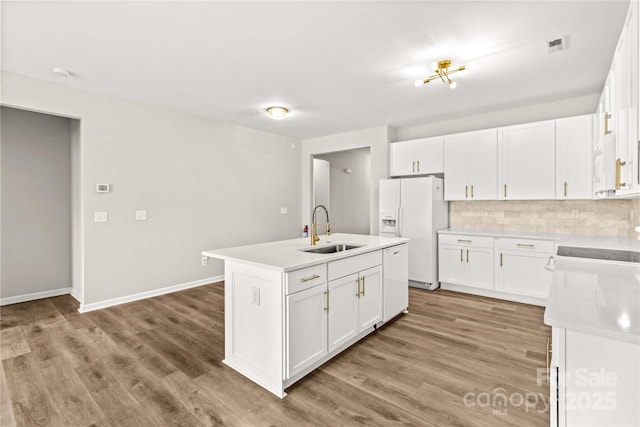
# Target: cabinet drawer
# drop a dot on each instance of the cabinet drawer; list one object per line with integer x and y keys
{"x": 459, "y": 239}
{"x": 353, "y": 264}
{"x": 306, "y": 278}
{"x": 529, "y": 245}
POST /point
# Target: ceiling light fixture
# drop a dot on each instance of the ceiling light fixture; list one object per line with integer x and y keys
{"x": 277, "y": 113}
{"x": 442, "y": 72}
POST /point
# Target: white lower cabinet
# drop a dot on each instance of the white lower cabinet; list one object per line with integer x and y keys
{"x": 355, "y": 304}
{"x": 322, "y": 317}
{"x": 521, "y": 267}
{"x": 466, "y": 260}
{"x": 593, "y": 380}
{"x": 306, "y": 328}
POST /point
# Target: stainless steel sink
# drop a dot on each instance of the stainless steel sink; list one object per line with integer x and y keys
{"x": 331, "y": 249}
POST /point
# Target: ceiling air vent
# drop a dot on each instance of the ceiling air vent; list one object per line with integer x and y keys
{"x": 556, "y": 45}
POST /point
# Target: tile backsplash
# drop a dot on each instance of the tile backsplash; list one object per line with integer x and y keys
{"x": 592, "y": 217}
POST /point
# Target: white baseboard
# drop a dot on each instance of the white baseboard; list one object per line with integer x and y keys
{"x": 142, "y": 295}
{"x": 76, "y": 294}
{"x": 34, "y": 296}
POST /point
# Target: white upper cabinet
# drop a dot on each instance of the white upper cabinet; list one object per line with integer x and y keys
{"x": 618, "y": 111}
{"x": 574, "y": 147}
{"x": 624, "y": 112}
{"x": 417, "y": 157}
{"x": 526, "y": 161}
{"x": 470, "y": 165}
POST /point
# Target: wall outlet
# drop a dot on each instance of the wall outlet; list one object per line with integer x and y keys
{"x": 255, "y": 296}
{"x": 283, "y": 210}
{"x": 205, "y": 260}
{"x": 141, "y": 215}
{"x": 575, "y": 213}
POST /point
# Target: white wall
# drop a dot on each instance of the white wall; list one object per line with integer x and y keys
{"x": 77, "y": 233}
{"x": 204, "y": 184}
{"x": 377, "y": 139}
{"x": 531, "y": 113}
{"x": 36, "y": 203}
{"x": 349, "y": 192}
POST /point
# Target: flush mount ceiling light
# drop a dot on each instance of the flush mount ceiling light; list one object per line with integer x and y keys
{"x": 277, "y": 113}
{"x": 442, "y": 72}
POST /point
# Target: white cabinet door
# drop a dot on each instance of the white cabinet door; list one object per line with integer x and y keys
{"x": 451, "y": 267}
{"x": 395, "y": 287}
{"x": 403, "y": 160}
{"x": 520, "y": 266}
{"x": 479, "y": 267}
{"x": 456, "y": 167}
{"x": 370, "y": 300}
{"x": 306, "y": 328}
{"x": 343, "y": 310}
{"x": 526, "y": 161}
{"x": 483, "y": 165}
{"x": 574, "y": 148}
{"x": 429, "y": 155}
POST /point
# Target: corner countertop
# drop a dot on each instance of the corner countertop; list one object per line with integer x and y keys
{"x": 598, "y": 298}
{"x": 286, "y": 255}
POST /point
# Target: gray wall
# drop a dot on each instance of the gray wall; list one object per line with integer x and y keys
{"x": 36, "y": 202}
{"x": 349, "y": 192}
{"x": 204, "y": 184}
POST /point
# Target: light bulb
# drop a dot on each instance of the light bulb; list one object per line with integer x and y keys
{"x": 434, "y": 66}
{"x": 452, "y": 84}
{"x": 418, "y": 83}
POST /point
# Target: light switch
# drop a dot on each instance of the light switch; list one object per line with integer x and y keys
{"x": 101, "y": 216}
{"x": 141, "y": 215}
{"x": 283, "y": 210}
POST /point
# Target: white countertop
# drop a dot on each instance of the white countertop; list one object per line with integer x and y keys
{"x": 605, "y": 242}
{"x": 596, "y": 297}
{"x": 285, "y": 255}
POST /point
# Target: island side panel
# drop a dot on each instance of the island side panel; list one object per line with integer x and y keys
{"x": 253, "y": 324}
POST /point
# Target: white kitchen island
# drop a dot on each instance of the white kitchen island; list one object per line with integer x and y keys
{"x": 287, "y": 311}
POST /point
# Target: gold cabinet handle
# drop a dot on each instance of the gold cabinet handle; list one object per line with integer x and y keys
{"x": 464, "y": 241}
{"x": 548, "y": 359}
{"x": 505, "y": 190}
{"x": 607, "y": 116}
{"x": 500, "y": 259}
{"x": 619, "y": 164}
{"x": 414, "y": 166}
{"x": 565, "y": 189}
{"x": 461, "y": 255}
{"x": 326, "y": 295}
{"x": 522, "y": 245}
{"x": 418, "y": 165}
{"x": 467, "y": 256}
{"x": 363, "y": 286}
{"x": 466, "y": 188}
{"x": 472, "y": 191}
{"x": 306, "y": 279}
{"x": 358, "y": 282}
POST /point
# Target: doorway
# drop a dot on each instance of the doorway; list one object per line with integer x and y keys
{"x": 39, "y": 205}
{"x": 341, "y": 182}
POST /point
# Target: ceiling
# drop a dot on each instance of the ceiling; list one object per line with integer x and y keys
{"x": 338, "y": 66}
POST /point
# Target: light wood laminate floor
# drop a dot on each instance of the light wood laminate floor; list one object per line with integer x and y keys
{"x": 455, "y": 359}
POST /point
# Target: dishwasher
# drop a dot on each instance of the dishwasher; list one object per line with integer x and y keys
{"x": 395, "y": 266}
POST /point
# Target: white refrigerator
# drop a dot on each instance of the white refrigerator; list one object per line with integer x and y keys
{"x": 415, "y": 208}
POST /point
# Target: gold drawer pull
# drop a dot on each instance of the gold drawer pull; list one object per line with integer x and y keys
{"x": 464, "y": 241}
{"x": 306, "y": 279}
{"x": 522, "y": 245}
